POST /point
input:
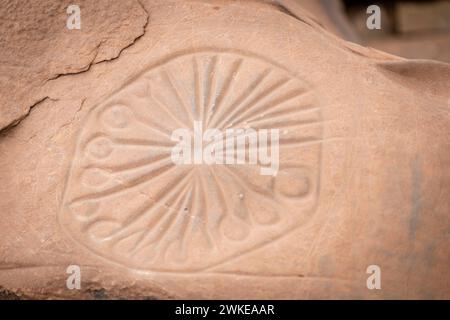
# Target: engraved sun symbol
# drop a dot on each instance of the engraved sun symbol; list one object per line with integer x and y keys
{"x": 125, "y": 198}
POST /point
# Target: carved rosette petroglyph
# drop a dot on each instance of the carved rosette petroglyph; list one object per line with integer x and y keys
{"x": 128, "y": 202}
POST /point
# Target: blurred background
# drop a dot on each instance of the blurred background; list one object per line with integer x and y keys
{"x": 415, "y": 29}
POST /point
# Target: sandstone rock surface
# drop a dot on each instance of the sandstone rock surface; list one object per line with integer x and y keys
{"x": 36, "y": 47}
{"x": 84, "y": 176}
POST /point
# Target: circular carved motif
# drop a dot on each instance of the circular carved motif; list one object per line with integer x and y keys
{"x": 127, "y": 201}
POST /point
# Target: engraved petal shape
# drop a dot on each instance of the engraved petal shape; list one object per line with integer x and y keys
{"x": 128, "y": 202}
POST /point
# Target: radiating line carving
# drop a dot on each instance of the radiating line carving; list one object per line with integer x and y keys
{"x": 128, "y": 202}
